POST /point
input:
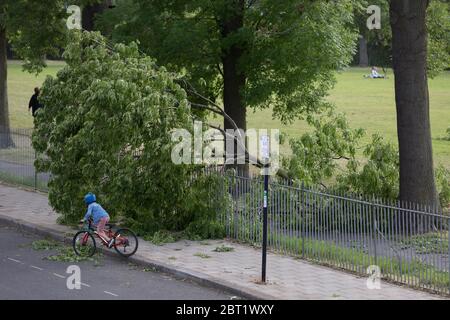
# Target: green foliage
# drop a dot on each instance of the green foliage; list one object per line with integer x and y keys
{"x": 320, "y": 156}
{"x": 358, "y": 258}
{"x": 379, "y": 41}
{"x": 223, "y": 248}
{"x": 202, "y": 255}
{"x": 151, "y": 269}
{"x": 34, "y": 30}
{"x": 199, "y": 229}
{"x": 326, "y": 156}
{"x": 379, "y": 176}
{"x": 447, "y": 136}
{"x": 161, "y": 237}
{"x": 63, "y": 253}
{"x": 290, "y": 49}
{"x": 44, "y": 245}
{"x": 120, "y": 95}
{"x": 316, "y": 153}
{"x": 66, "y": 254}
{"x": 438, "y": 24}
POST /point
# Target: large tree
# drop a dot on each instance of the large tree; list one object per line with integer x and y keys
{"x": 374, "y": 43}
{"x": 244, "y": 53}
{"x": 409, "y": 54}
{"x": 5, "y": 139}
{"x": 33, "y": 30}
{"x": 377, "y": 43}
{"x": 122, "y": 97}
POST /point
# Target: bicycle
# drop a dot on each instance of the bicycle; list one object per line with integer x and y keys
{"x": 124, "y": 239}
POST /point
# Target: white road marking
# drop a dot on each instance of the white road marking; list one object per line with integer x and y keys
{"x": 59, "y": 276}
{"x": 107, "y": 292}
{"x": 15, "y": 260}
{"x": 85, "y": 284}
{"x": 34, "y": 267}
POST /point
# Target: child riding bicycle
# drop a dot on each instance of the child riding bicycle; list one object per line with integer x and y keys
{"x": 99, "y": 215}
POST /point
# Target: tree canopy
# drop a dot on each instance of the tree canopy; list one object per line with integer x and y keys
{"x": 380, "y": 41}
{"x": 34, "y": 30}
{"x": 106, "y": 128}
{"x": 289, "y": 50}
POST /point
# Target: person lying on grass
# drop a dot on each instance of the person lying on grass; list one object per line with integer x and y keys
{"x": 374, "y": 74}
{"x": 99, "y": 216}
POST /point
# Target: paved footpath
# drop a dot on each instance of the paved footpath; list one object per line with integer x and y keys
{"x": 288, "y": 278}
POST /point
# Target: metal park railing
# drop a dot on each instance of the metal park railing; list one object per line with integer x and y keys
{"x": 403, "y": 242}
{"x": 17, "y": 158}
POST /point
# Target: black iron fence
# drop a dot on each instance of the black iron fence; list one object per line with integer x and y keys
{"x": 17, "y": 159}
{"x": 403, "y": 242}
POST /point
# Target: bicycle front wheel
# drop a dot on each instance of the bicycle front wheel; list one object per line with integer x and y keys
{"x": 84, "y": 244}
{"x": 125, "y": 242}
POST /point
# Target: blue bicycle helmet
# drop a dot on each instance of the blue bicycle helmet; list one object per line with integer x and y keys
{"x": 89, "y": 198}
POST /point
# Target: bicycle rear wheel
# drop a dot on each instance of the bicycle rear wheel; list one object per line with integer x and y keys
{"x": 125, "y": 242}
{"x": 84, "y": 244}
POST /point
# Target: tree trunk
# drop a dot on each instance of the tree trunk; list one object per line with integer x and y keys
{"x": 9, "y": 52}
{"x": 409, "y": 53}
{"x": 5, "y": 136}
{"x": 234, "y": 79}
{"x": 363, "y": 55}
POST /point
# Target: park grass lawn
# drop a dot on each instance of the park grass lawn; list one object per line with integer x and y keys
{"x": 20, "y": 89}
{"x": 368, "y": 104}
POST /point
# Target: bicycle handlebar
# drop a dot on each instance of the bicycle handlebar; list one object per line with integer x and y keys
{"x": 87, "y": 223}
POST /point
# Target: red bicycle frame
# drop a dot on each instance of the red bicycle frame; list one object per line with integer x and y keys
{"x": 119, "y": 241}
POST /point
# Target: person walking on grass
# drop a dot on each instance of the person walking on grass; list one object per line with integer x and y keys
{"x": 34, "y": 104}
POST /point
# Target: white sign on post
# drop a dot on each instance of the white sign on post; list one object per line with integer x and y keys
{"x": 265, "y": 152}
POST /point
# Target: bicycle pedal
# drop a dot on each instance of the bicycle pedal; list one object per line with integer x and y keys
{"x": 110, "y": 243}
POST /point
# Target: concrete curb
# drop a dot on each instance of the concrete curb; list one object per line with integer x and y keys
{"x": 176, "y": 272}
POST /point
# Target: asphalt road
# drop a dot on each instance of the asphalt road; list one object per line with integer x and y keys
{"x": 26, "y": 275}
